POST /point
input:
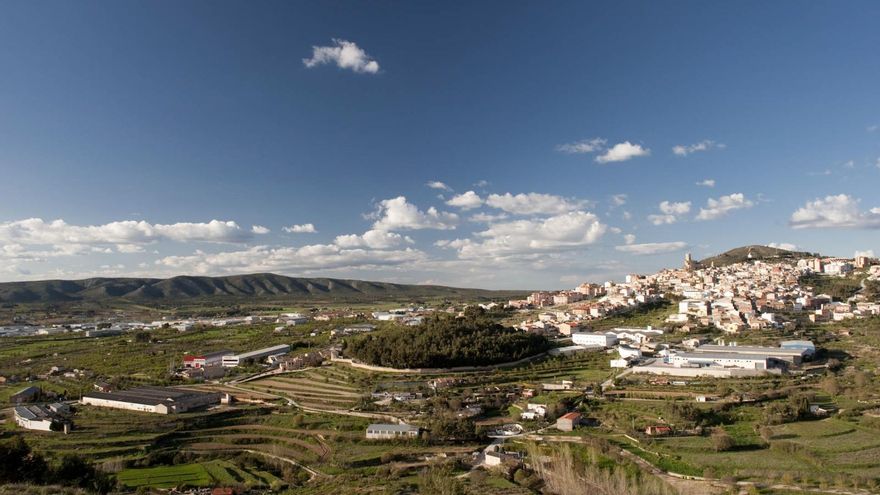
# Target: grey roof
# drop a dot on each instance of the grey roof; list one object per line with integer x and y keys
{"x": 749, "y": 349}
{"x": 391, "y": 427}
{"x": 32, "y": 412}
{"x": 795, "y": 344}
{"x": 721, "y": 355}
{"x": 149, "y": 396}
{"x": 278, "y": 349}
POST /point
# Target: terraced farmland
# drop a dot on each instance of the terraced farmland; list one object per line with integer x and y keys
{"x": 327, "y": 388}
{"x": 104, "y": 434}
{"x": 208, "y": 473}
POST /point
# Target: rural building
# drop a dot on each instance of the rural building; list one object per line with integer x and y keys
{"x": 658, "y": 431}
{"x": 159, "y": 400}
{"x": 379, "y": 431}
{"x": 233, "y": 360}
{"x": 568, "y": 422}
{"x": 42, "y": 418}
{"x": 204, "y": 360}
{"x": 594, "y": 339}
{"x": 25, "y": 395}
{"x": 102, "y": 386}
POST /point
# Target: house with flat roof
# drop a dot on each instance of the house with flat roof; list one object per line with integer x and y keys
{"x": 379, "y": 431}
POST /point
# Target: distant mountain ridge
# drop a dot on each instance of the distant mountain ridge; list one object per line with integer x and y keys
{"x": 265, "y": 286}
{"x": 763, "y": 253}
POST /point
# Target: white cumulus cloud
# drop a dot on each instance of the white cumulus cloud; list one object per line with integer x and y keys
{"x": 466, "y": 201}
{"x": 259, "y": 229}
{"x": 717, "y": 208}
{"x": 622, "y": 152}
{"x": 305, "y": 228}
{"x": 707, "y": 183}
{"x": 288, "y": 259}
{"x": 651, "y": 248}
{"x": 36, "y": 231}
{"x": 345, "y": 54}
{"x": 687, "y": 149}
{"x": 533, "y": 203}
{"x": 840, "y": 211}
{"x": 436, "y": 184}
{"x": 374, "y": 239}
{"x": 670, "y": 212}
{"x": 561, "y": 232}
{"x": 399, "y": 214}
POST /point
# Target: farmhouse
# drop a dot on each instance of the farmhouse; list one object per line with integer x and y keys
{"x": 379, "y": 431}
{"x": 568, "y": 422}
{"x": 658, "y": 431}
{"x": 233, "y": 360}
{"x": 159, "y": 400}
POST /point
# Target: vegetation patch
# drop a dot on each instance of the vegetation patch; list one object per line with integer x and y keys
{"x": 444, "y": 341}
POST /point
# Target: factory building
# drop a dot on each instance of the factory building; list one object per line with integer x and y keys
{"x": 720, "y": 359}
{"x": 794, "y": 356}
{"x": 158, "y": 400}
{"x": 594, "y": 339}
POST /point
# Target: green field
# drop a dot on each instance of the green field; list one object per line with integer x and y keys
{"x": 208, "y": 473}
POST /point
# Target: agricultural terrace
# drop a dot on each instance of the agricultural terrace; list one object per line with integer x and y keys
{"x": 328, "y": 387}
{"x": 208, "y": 473}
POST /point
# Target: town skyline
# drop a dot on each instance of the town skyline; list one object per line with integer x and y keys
{"x": 432, "y": 144}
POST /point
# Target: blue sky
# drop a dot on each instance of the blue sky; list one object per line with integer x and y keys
{"x": 150, "y": 138}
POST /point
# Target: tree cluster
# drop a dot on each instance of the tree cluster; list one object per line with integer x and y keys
{"x": 19, "y": 464}
{"x": 797, "y": 407}
{"x": 445, "y": 341}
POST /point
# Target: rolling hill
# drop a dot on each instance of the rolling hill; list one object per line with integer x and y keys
{"x": 763, "y": 253}
{"x": 260, "y": 286}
